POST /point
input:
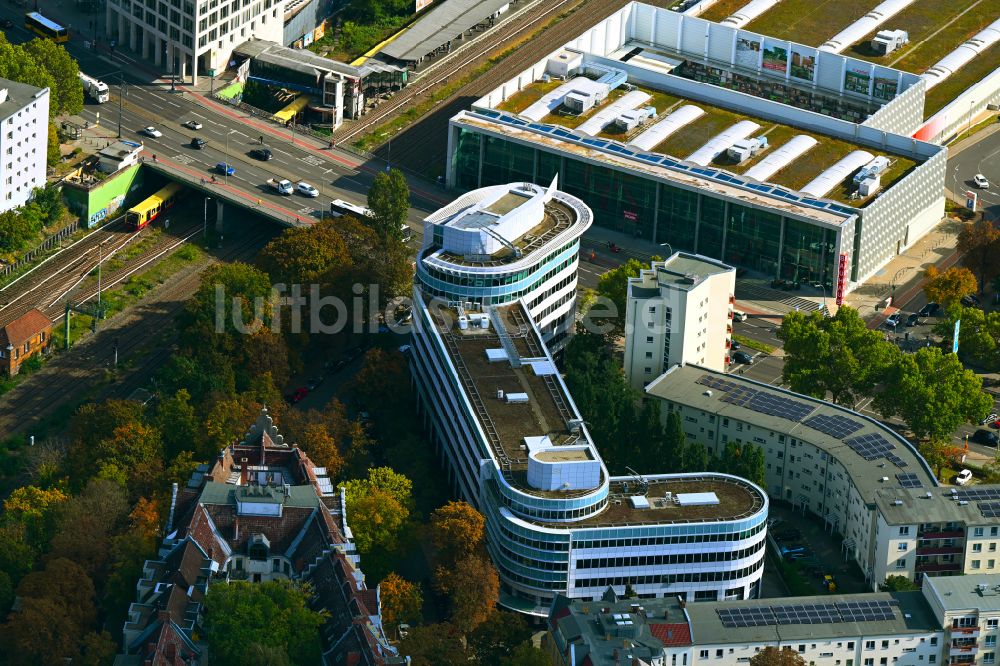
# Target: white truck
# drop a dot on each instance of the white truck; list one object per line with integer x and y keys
{"x": 94, "y": 89}
{"x": 282, "y": 186}
{"x": 744, "y": 149}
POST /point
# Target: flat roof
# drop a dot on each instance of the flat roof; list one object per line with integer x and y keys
{"x": 911, "y": 615}
{"x": 685, "y": 384}
{"x": 226, "y": 493}
{"x": 962, "y": 593}
{"x": 443, "y": 22}
{"x": 19, "y": 95}
{"x": 689, "y": 178}
{"x": 684, "y": 143}
{"x": 912, "y": 506}
{"x": 297, "y": 60}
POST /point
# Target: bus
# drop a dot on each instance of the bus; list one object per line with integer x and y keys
{"x": 339, "y": 207}
{"x": 45, "y": 28}
{"x": 144, "y": 212}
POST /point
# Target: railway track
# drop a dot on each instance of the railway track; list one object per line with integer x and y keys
{"x": 144, "y": 335}
{"x": 423, "y": 143}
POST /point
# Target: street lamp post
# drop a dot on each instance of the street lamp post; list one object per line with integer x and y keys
{"x": 100, "y": 260}
{"x": 669, "y": 247}
{"x": 227, "y": 155}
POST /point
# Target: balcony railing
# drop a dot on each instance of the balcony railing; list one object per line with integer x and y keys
{"x": 966, "y": 632}
{"x": 962, "y": 651}
{"x": 949, "y": 534}
{"x": 944, "y": 566}
{"x": 940, "y": 550}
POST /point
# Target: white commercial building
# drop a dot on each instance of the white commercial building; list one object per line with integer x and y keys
{"x": 188, "y": 38}
{"x": 969, "y": 610}
{"x": 494, "y": 263}
{"x": 24, "y": 131}
{"x": 678, "y": 311}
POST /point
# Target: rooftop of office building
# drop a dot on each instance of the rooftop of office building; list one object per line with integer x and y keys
{"x": 699, "y": 123}
{"x": 875, "y": 457}
{"x": 681, "y": 271}
{"x": 498, "y": 225}
{"x": 979, "y": 592}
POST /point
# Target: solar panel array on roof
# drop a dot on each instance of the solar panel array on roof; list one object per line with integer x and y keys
{"x": 871, "y": 446}
{"x": 758, "y": 401}
{"x": 835, "y": 426}
{"x": 990, "y": 509}
{"x": 844, "y": 611}
{"x": 976, "y": 494}
{"x": 909, "y": 480}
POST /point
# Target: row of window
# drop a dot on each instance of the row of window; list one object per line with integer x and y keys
{"x": 666, "y": 540}
{"x": 475, "y": 280}
{"x": 669, "y": 579}
{"x": 656, "y": 560}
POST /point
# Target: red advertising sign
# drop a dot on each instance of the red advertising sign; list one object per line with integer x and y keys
{"x": 841, "y": 278}
{"x": 630, "y": 215}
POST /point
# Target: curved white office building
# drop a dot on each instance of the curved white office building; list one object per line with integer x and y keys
{"x": 499, "y": 244}
{"x": 515, "y": 445}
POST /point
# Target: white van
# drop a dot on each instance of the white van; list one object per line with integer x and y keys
{"x": 739, "y": 315}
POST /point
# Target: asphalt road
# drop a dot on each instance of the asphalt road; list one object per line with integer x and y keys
{"x": 982, "y": 157}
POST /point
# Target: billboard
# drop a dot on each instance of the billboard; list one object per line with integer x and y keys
{"x": 954, "y": 337}
{"x": 857, "y": 78}
{"x": 747, "y": 51}
{"x": 775, "y": 57}
{"x": 841, "y": 278}
{"x": 803, "y": 63}
{"x": 885, "y": 87}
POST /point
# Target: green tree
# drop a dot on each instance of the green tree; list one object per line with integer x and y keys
{"x": 612, "y": 288}
{"x": 303, "y": 255}
{"x": 933, "y": 393}
{"x": 979, "y": 335}
{"x": 949, "y": 287}
{"x": 17, "y": 64}
{"x": 434, "y": 645}
{"x": 67, "y": 93}
{"x": 526, "y": 654}
{"x": 16, "y": 230}
{"x": 899, "y": 584}
{"x": 52, "y": 152}
{"x": 86, "y": 524}
{"x": 274, "y": 614}
{"x": 378, "y": 508}
{"x": 178, "y": 423}
{"x": 772, "y": 656}
{"x": 389, "y": 202}
{"x": 224, "y": 288}
{"x": 839, "y": 355}
{"x": 979, "y": 244}
{"x": 496, "y": 638}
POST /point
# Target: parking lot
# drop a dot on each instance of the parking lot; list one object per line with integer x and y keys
{"x": 810, "y": 559}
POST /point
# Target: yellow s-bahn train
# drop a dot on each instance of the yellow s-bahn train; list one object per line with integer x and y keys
{"x": 144, "y": 212}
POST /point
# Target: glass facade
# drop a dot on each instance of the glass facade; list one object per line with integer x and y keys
{"x": 688, "y": 220}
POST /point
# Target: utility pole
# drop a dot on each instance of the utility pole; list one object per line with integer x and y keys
{"x": 115, "y": 343}
{"x": 100, "y": 260}
{"x": 204, "y": 231}
{"x": 121, "y": 93}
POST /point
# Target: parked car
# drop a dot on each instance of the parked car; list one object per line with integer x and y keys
{"x": 963, "y": 477}
{"x": 743, "y": 357}
{"x": 734, "y": 345}
{"x": 992, "y": 417}
{"x": 790, "y": 550}
{"x": 929, "y": 310}
{"x": 151, "y": 132}
{"x": 225, "y": 169}
{"x": 970, "y": 301}
{"x": 405, "y": 349}
{"x": 981, "y": 181}
{"x": 314, "y": 382}
{"x": 192, "y": 125}
{"x": 892, "y": 321}
{"x": 985, "y": 437}
{"x": 913, "y": 319}
{"x": 262, "y": 154}
{"x": 198, "y": 143}
{"x": 6, "y": 24}
{"x": 829, "y": 584}
{"x": 307, "y": 190}
{"x": 298, "y": 394}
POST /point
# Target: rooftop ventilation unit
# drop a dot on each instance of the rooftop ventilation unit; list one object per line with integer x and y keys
{"x": 517, "y": 398}
{"x": 897, "y": 502}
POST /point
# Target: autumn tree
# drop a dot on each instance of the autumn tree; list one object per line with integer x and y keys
{"x": 950, "y": 286}
{"x": 434, "y": 645}
{"x": 772, "y": 656}
{"x": 379, "y": 378}
{"x": 497, "y": 638}
{"x": 933, "y": 393}
{"x": 979, "y": 244}
{"x": 321, "y": 448}
{"x": 389, "y": 202}
{"x": 456, "y": 530}
{"x": 378, "y": 508}
{"x": 32, "y": 511}
{"x": 305, "y": 255}
{"x": 402, "y": 601}
{"x": 838, "y": 355}
{"x": 86, "y": 524}
{"x": 275, "y": 614}
{"x": 473, "y": 589}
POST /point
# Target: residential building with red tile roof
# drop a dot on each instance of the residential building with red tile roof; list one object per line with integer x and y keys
{"x": 22, "y": 338}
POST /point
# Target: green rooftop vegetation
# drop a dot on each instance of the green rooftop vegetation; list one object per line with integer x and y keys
{"x": 813, "y": 162}
{"x": 810, "y": 22}
{"x": 694, "y": 135}
{"x": 950, "y": 31}
{"x": 661, "y": 101}
{"x": 525, "y": 97}
{"x": 931, "y": 34}
{"x": 723, "y": 9}
{"x": 944, "y": 92}
{"x": 566, "y": 118}
{"x": 777, "y": 135}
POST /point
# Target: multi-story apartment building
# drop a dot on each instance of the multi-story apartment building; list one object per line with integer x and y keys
{"x": 678, "y": 311}
{"x": 969, "y": 610}
{"x": 856, "y": 475}
{"x": 190, "y": 38}
{"x": 24, "y": 131}
{"x": 514, "y": 443}
{"x": 501, "y": 244}
{"x": 874, "y": 629}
